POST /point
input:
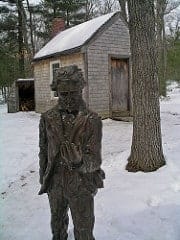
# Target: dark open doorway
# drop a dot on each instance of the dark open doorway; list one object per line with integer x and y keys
{"x": 26, "y": 95}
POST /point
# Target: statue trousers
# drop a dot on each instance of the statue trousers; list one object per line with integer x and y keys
{"x": 67, "y": 190}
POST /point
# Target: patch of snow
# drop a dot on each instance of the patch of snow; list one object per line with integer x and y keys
{"x": 143, "y": 206}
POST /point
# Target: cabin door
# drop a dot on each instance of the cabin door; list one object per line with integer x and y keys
{"x": 119, "y": 87}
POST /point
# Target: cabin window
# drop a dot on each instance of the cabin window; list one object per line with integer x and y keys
{"x": 53, "y": 66}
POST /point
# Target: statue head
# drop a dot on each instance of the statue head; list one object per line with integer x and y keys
{"x": 69, "y": 82}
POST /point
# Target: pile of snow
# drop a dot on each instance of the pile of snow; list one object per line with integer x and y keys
{"x": 143, "y": 206}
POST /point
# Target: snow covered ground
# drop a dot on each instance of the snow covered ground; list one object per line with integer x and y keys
{"x": 132, "y": 206}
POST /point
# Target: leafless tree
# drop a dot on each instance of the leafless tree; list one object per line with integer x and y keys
{"x": 163, "y": 7}
{"x": 171, "y": 5}
{"x": 107, "y": 6}
{"x": 92, "y": 8}
{"x": 31, "y": 27}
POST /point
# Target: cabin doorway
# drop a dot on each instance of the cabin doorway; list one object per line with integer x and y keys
{"x": 26, "y": 95}
{"x": 120, "y": 94}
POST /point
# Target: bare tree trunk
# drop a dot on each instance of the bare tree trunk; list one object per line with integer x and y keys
{"x": 31, "y": 27}
{"x": 161, "y": 43}
{"x": 24, "y": 50}
{"x": 67, "y": 18}
{"x": 146, "y": 149}
{"x": 4, "y": 94}
{"x": 20, "y": 40}
{"x": 164, "y": 57}
{"x": 122, "y": 4}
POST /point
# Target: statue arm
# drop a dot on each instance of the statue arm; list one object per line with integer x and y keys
{"x": 43, "y": 148}
{"x": 91, "y": 150}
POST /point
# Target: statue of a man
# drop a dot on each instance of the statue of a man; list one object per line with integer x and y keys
{"x": 70, "y": 157}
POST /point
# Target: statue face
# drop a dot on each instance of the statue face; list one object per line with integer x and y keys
{"x": 70, "y": 100}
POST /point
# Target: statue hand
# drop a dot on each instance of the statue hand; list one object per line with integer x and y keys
{"x": 76, "y": 154}
{"x": 71, "y": 153}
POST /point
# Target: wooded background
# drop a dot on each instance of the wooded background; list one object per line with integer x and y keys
{"x": 26, "y": 27}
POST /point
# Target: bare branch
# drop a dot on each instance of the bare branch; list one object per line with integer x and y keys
{"x": 172, "y": 6}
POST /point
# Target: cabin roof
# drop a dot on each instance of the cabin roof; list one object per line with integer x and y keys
{"x": 73, "y": 38}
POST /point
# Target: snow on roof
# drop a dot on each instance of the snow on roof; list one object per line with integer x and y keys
{"x": 73, "y": 37}
{"x": 25, "y": 79}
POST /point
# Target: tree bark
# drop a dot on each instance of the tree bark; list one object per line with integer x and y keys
{"x": 31, "y": 26}
{"x": 161, "y": 44}
{"x": 20, "y": 40}
{"x": 146, "y": 149}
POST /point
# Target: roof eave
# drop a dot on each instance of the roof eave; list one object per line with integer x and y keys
{"x": 57, "y": 54}
{"x": 83, "y": 47}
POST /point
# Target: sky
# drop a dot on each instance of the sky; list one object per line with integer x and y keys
{"x": 34, "y": 1}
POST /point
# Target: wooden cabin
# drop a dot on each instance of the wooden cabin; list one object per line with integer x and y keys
{"x": 101, "y": 48}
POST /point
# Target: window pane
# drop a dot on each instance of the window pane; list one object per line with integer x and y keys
{"x": 54, "y": 67}
{"x": 55, "y": 94}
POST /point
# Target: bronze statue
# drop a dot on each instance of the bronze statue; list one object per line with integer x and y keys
{"x": 70, "y": 157}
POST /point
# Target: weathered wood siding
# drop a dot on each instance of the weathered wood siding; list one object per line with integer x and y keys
{"x": 43, "y": 99}
{"x": 114, "y": 41}
{"x": 119, "y": 87}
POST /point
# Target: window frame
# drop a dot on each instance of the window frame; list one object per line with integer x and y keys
{"x": 51, "y": 76}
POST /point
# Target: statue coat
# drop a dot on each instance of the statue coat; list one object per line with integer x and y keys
{"x": 86, "y": 131}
